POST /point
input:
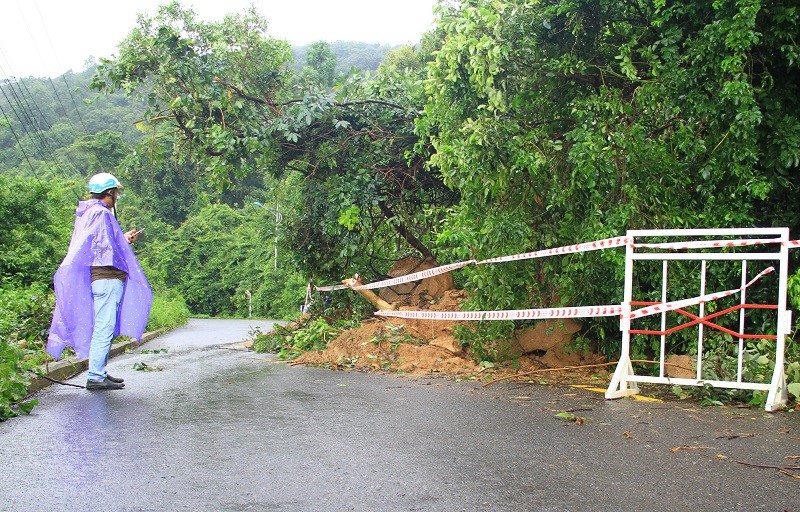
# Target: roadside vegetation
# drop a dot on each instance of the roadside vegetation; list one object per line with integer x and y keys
{"x": 511, "y": 126}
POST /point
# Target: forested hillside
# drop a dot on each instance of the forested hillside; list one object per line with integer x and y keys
{"x": 349, "y": 55}
{"x": 512, "y": 126}
{"x": 64, "y": 128}
{"x": 58, "y": 128}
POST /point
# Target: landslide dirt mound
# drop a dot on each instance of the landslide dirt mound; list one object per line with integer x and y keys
{"x": 400, "y": 345}
{"x": 428, "y": 347}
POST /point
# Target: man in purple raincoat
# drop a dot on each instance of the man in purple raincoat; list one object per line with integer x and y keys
{"x": 101, "y": 290}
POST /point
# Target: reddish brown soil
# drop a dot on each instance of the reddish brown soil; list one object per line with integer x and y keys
{"x": 427, "y": 347}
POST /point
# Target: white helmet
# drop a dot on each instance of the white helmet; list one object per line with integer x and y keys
{"x": 102, "y": 182}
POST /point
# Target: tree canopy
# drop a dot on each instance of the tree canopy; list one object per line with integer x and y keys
{"x": 225, "y": 92}
{"x": 567, "y": 121}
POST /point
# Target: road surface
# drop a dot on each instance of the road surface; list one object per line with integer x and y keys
{"x": 219, "y": 428}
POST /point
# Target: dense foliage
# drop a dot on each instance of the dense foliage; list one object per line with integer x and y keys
{"x": 32, "y": 236}
{"x": 237, "y": 112}
{"x": 568, "y": 121}
{"x": 58, "y": 128}
{"x": 549, "y": 123}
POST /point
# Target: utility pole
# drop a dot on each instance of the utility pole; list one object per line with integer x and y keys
{"x": 278, "y": 220}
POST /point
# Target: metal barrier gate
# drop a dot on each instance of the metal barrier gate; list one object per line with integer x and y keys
{"x": 729, "y": 251}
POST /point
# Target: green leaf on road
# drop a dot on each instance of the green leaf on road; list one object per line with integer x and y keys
{"x": 144, "y": 367}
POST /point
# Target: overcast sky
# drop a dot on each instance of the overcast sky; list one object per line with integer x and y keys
{"x": 49, "y": 37}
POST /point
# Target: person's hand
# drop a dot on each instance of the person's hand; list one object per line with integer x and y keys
{"x": 133, "y": 235}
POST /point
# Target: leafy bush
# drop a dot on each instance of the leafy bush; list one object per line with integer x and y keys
{"x": 558, "y": 124}
{"x": 720, "y": 362}
{"x": 169, "y": 310}
{"x": 486, "y": 339}
{"x": 273, "y": 341}
{"x": 793, "y": 371}
{"x": 314, "y": 335}
{"x": 35, "y": 222}
{"x": 25, "y": 315}
{"x": 13, "y": 384}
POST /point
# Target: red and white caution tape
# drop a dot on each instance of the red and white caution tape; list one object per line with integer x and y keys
{"x": 706, "y": 244}
{"x": 716, "y": 244}
{"x": 416, "y": 276}
{"x": 513, "y": 314}
{"x": 574, "y": 312}
{"x": 583, "y": 247}
{"x": 670, "y": 306}
{"x": 331, "y": 287}
{"x": 588, "y": 246}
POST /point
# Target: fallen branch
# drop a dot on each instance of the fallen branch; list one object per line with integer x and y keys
{"x": 58, "y": 381}
{"x": 689, "y": 448}
{"x": 735, "y": 436}
{"x": 786, "y": 471}
{"x": 369, "y": 295}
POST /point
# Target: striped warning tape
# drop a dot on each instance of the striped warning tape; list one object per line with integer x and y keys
{"x": 415, "y": 276}
{"x": 512, "y": 314}
{"x": 606, "y": 243}
{"x": 588, "y": 246}
{"x": 573, "y": 312}
{"x": 710, "y": 244}
{"x": 331, "y": 287}
{"x": 583, "y": 247}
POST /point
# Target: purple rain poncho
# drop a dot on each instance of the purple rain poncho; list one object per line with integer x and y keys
{"x": 97, "y": 240}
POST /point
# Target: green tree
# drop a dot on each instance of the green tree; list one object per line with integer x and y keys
{"x": 235, "y": 113}
{"x": 219, "y": 254}
{"x": 34, "y": 229}
{"x": 322, "y": 63}
{"x": 208, "y": 84}
{"x": 400, "y": 58}
{"x": 568, "y": 121}
{"x": 106, "y": 150}
{"x": 63, "y": 130}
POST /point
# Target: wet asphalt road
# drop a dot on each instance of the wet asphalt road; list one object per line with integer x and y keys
{"x": 222, "y": 429}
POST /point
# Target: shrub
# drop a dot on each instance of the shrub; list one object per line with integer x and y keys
{"x": 169, "y": 311}
{"x": 13, "y": 383}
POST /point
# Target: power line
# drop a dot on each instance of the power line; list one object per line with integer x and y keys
{"x": 77, "y": 111}
{"x": 25, "y": 111}
{"x": 44, "y": 150}
{"x": 19, "y": 143}
{"x": 64, "y": 77}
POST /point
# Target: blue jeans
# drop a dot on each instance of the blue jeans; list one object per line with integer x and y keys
{"x": 107, "y": 294}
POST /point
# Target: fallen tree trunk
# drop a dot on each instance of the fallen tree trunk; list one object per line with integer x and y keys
{"x": 371, "y": 297}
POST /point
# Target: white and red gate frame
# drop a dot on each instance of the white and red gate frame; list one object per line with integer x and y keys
{"x": 625, "y": 381}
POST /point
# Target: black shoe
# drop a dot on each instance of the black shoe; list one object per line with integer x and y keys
{"x": 115, "y": 379}
{"x": 103, "y": 384}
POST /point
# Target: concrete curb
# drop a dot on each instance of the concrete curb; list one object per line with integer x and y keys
{"x": 68, "y": 368}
